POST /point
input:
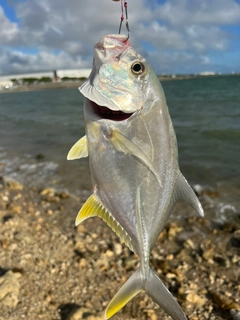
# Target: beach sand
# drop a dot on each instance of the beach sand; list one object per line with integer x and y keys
{"x": 51, "y": 270}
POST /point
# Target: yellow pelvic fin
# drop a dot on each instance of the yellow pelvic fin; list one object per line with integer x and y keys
{"x": 93, "y": 207}
{"x": 78, "y": 150}
{"x": 123, "y": 144}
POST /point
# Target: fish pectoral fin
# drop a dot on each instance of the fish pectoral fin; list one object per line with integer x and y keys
{"x": 129, "y": 290}
{"x": 123, "y": 144}
{"x": 183, "y": 191}
{"x": 160, "y": 294}
{"x": 93, "y": 207}
{"x": 78, "y": 150}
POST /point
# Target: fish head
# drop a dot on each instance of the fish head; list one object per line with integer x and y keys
{"x": 117, "y": 83}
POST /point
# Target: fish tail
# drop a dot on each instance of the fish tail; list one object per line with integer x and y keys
{"x": 153, "y": 287}
{"x": 162, "y": 296}
{"x": 129, "y": 290}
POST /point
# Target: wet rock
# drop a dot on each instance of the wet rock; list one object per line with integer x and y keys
{"x": 208, "y": 255}
{"x": 23, "y": 236}
{"x": 224, "y": 302}
{"x": 196, "y": 299}
{"x": 235, "y": 239}
{"x": 222, "y": 260}
{"x": 235, "y": 314}
{"x": 130, "y": 262}
{"x": 14, "y": 185}
{"x": 117, "y": 248}
{"x": 49, "y": 195}
{"x": 9, "y": 289}
{"x": 173, "y": 230}
{"x": 63, "y": 195}
{"x": 15, "y": 208}
{"x": 151, "y": 314}
{"x": 84, "y": 313}
{"x": 185, "y": 256}
{"x": 211, "y": 194}
{"x": 2, "y": 181}
{"x": 40, "y": 156}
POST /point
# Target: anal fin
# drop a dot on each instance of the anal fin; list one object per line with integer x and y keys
{"x": 93, "y": 207}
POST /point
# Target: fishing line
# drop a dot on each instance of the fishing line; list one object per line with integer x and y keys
{"x": 124, "y": 5}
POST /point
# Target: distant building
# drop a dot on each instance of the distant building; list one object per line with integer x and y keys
{"x": 73, "y": 73}
{"x": 55, "y": 75}
{"x": 207, "y": 73}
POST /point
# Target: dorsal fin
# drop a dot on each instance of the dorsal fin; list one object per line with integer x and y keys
{"x": 183, "y": 191}
{"x": 78, "y": 150}
{"x": 93, "y": 207}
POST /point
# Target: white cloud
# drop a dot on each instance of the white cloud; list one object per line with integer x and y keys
{"x": 175, "y": 35}
{"x": 8, "y": 30}
{"x": 187, "y": 12}
{"x": 17, "y": 62}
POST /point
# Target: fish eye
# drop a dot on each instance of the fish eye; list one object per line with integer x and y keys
{"x": 138, "y": 68}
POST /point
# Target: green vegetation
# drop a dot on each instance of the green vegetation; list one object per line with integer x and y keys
{"x": 35, "y": 80}
{"x": 73, "y": 78}
{"x": 45, "y": 79}
{"x": 29, "y": 80}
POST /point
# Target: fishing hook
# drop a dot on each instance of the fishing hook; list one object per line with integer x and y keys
{"x": 125, "y": 5}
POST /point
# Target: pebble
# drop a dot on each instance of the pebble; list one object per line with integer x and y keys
{"x": 235, "y": 239}
{"x": 9, "y": 289}
{"x": 173, "y": 230}
{"x": 235, "y": 314}
{"x": 194, "y": 298}
{"x": 84, "y": 313}
{"x": 224, "y": 302}
{"x": 222, "y": 260}
{"x": 49, "y": 195}
{"x": 117, "y": 248}
{"x": 14, "y": 185}
{"x": 130, "y": 263}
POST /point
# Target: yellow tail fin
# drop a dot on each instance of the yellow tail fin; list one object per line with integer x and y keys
{"x": 153, "y": 286}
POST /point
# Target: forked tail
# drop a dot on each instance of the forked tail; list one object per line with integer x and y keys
{"x": 153, "y": 287}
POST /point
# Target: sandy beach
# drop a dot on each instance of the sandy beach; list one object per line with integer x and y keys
{"x": 51, "y": 270}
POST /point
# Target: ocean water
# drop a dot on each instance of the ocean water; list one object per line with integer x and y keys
{"x": 37, "y": 129}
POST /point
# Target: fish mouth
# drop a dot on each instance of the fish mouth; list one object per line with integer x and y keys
{"x": 103, "y": 112}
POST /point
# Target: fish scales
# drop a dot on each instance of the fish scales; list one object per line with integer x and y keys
{"x": 132, "y": 149}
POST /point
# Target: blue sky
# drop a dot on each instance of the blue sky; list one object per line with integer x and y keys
{"x": 175, "y": 36}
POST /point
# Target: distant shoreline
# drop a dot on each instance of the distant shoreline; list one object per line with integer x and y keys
{"x": 76, "y": 84}
{"x": 44, "y": 86}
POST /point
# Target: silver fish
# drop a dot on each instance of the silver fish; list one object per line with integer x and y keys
{"x": 133, "y": 159}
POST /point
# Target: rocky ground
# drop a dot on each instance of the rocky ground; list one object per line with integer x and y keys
{"x": 53, "y": 271}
